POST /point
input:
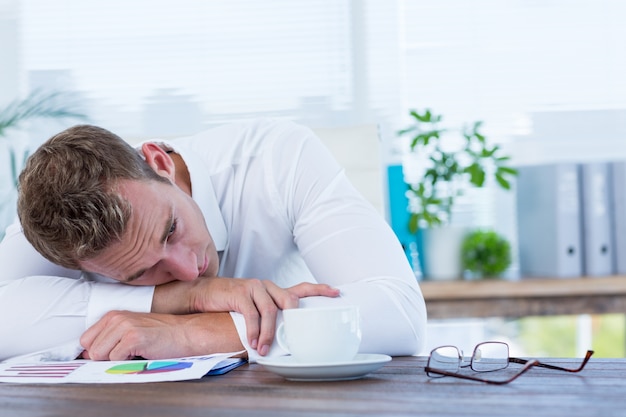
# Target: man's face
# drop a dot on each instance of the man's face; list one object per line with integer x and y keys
{"x": 166, "y": 239}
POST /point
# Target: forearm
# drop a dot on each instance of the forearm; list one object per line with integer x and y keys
{"x": 206, "y": 333}
{"x": 173, "y": 298}
{"x": 122, "y": 335}
{"x": 187, "y": 297}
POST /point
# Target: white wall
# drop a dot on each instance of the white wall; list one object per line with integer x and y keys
{"x": 358, "y": 150}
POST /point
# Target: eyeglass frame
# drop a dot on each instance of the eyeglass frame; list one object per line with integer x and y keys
{"x": 526, "y": 362}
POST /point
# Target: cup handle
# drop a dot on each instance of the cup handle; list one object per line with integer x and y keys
{"x": 280, "y": 337}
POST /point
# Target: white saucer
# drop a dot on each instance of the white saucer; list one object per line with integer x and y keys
{"x": 360, "y": 366}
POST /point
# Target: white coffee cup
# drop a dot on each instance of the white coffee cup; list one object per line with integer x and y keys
{"x": 320, "y": 335}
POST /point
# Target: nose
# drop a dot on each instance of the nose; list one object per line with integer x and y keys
{"x": 182, "y": 265}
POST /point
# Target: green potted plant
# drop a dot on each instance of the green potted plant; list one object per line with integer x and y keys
{"x": 449, "y": 172}
{"x": 445, "y": 173}
{"x": 39, "y": 104}
{"x": 485, "y": 254}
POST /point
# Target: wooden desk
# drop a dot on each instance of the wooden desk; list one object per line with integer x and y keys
{"x": 400, "y": 388}
{"x": 528, "y": 297}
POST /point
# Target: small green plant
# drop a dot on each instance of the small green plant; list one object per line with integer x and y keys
{"x": 485, "y": 253}
{"x": 449, "y": 172}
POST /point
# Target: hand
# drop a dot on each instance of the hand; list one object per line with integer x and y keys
{"x": 122, "y": 335}
{"x": 257, "y": 300}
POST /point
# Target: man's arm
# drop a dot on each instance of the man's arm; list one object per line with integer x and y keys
{"x": 43, "y": 312}
{"x": 43, "y": 306}
{"x": 257, "y": 300}
{"x": 191, "y": 318}
{"x": 347, "y": 244}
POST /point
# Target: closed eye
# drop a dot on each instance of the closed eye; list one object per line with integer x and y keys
{"x": 172, "y": 229}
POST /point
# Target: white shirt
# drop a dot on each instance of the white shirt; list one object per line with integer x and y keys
{"x": 278, "y": 207}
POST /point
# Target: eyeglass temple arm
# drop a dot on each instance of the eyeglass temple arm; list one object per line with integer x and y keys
{"x": 526, "y": 367}
{"x": 557, "y": 368}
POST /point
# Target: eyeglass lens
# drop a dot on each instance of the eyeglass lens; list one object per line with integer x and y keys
{"x": 446, "y": 358}
{"x": 490, "y": 356}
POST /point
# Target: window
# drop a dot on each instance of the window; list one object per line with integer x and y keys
{"x": 544, "y": 76}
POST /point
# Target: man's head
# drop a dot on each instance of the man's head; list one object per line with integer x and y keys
{"x": 89, "y": 201}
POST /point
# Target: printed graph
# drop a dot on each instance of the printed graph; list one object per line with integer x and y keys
{"x": 142, "y": 368}
{"x": 48, "y": 370}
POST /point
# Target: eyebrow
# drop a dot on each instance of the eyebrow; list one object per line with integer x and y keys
{"x": 166, "y": 232}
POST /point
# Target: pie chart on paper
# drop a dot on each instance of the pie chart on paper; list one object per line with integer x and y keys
{"x": 142, "y": 368}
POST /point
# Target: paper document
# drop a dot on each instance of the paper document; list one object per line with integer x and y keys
{"x": 118, "y": 372}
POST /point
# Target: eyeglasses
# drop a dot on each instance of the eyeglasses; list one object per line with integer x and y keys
{"x": 487, "y": 357}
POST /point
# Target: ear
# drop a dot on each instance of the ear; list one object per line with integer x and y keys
{"x": 159, "y": 160}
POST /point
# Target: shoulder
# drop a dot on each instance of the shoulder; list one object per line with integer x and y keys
{"x": 263, "y": 133}
{"x": 254, "y": 138}
{"x": 248, "y": 132}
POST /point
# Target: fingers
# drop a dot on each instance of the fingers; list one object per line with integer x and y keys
{"x": 307, "y": 289}
{"x": 267, "y": 298}
{"x": 260, "y": 311}
{"x": 98, "y": 340}
{"x": 122, "y": 335}
{"x": 88, "y": 338}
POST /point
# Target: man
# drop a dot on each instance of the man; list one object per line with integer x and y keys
{"x": 194, "y": 246}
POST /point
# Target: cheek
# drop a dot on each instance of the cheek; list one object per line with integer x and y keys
{"x": 214, "y": 267}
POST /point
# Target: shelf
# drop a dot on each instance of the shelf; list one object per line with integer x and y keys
{"x": 526, "y": 297}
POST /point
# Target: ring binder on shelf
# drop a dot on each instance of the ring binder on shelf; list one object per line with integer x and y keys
{"x": 596, "y": 218}
{"x": 549, "y": 220}
{"x": 618, "y": 188}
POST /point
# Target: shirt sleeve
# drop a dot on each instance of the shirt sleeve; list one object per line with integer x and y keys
{"x": 43, "y": 306}
{"x": 346, "y": 243}
{"x": 20, "y": 259}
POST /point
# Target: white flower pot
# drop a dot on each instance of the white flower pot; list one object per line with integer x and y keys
{"x": 441, "y": 252}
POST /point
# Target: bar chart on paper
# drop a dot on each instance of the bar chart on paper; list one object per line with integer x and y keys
{"x": 45, "y": 370}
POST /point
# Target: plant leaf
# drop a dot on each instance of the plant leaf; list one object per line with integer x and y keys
{"x": 38, "y": 105}
{"x": 407, "y": 130}
{"x": 503, "y": 182}
{"x": 477, "y": 174}
{"x": 508, "y": 170}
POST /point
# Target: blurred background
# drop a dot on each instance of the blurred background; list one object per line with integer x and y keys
{"x": 545, "y": 77}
